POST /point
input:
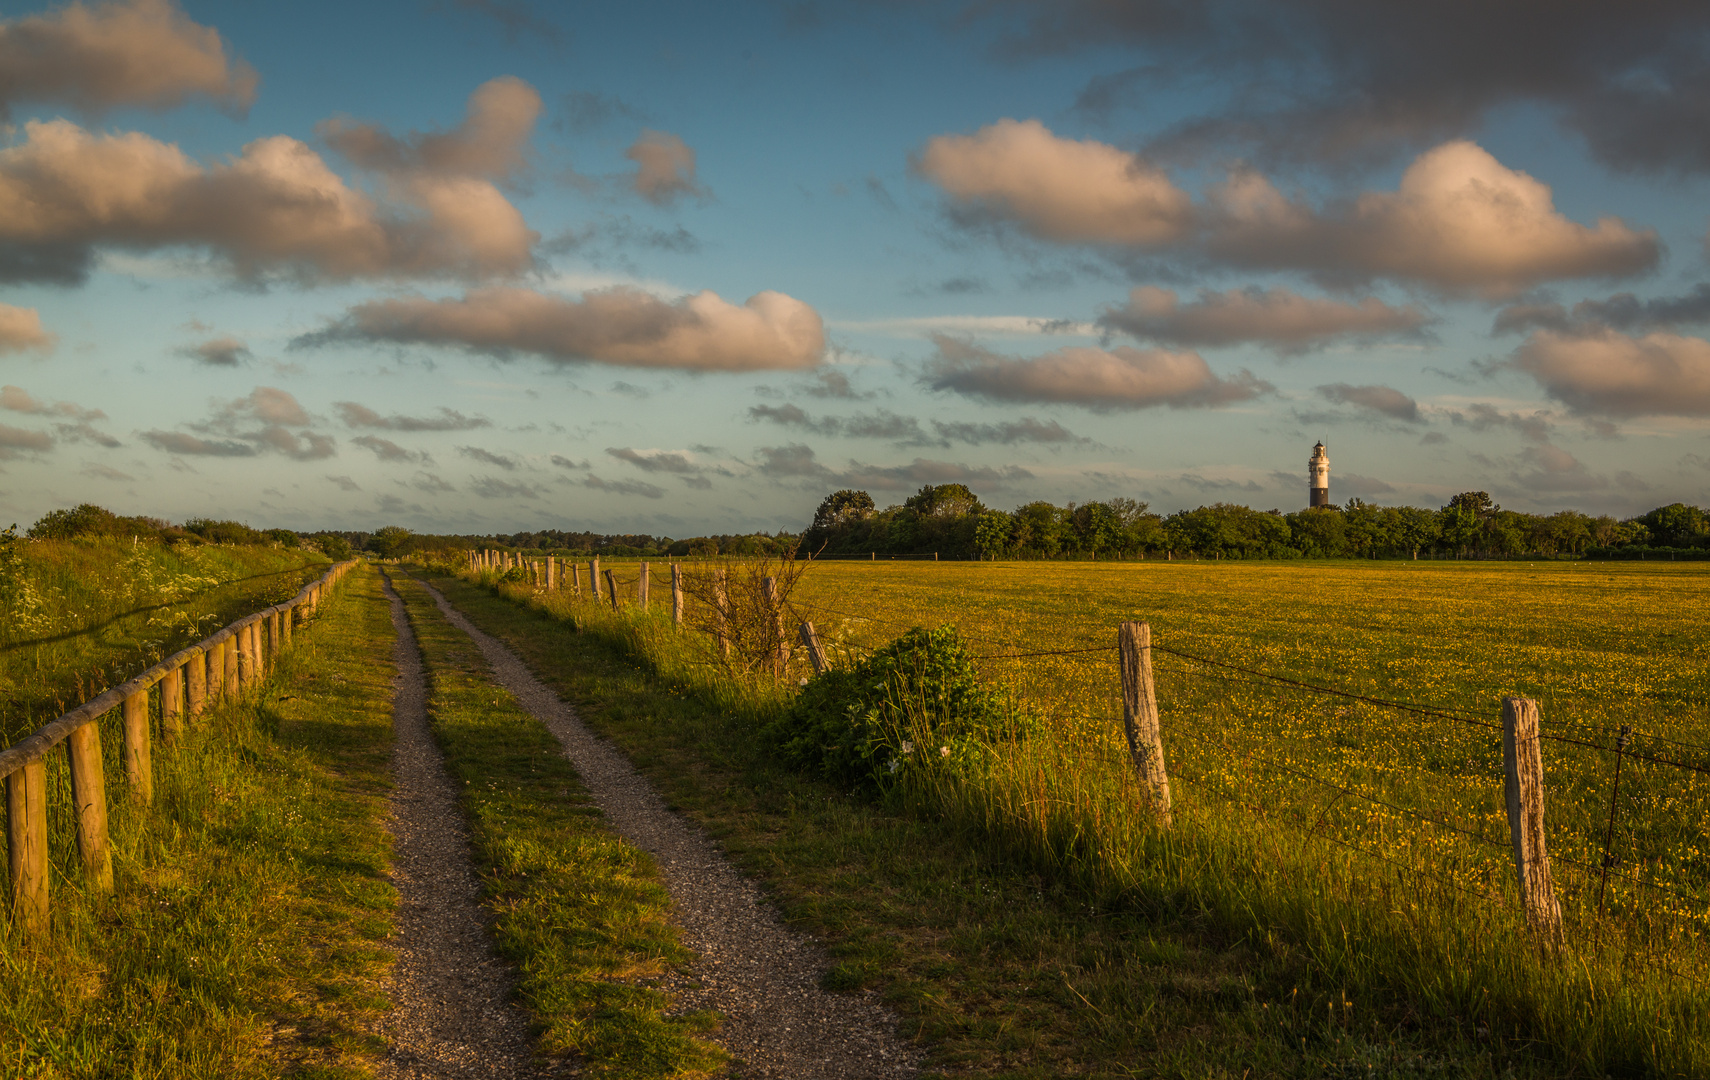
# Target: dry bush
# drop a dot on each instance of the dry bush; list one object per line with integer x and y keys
{"x": 734, "y": 605}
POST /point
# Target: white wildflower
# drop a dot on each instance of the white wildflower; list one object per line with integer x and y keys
{"x": 907, "y": 747}
{"x": 943, "y": 751}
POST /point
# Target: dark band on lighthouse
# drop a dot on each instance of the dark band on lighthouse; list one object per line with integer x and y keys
{"x": 1318, "y": 476}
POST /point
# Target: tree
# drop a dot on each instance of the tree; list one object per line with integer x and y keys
{"x": 390, "y": 542}
{"x": 991, "y": 534}
{"x": 842, "y": 507}
{"x": 1677, "y": 525}
{"x": 944, "y": 500}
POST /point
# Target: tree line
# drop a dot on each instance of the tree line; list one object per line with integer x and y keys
{"x": 951, "y": 520}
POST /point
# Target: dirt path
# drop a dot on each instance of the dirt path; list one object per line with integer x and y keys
{"x": 760, "y": 975}
{"x": 452, "y": 1015}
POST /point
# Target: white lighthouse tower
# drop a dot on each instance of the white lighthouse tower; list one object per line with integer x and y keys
{"x": 1318, "y": 476}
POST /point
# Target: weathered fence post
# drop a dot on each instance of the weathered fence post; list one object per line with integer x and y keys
{"x": 721, "y": 604}
{"x": 677, "y": 594}
{"x": 171, "y": 706}
{"x": 196, "y": 684}
{"x": 89, "y": 804}
{"x": 576, "y": 580}
{"x": 1140, "y": 715}
{"x": 1523, "y": 785}
{"x": 594, "y": 578}
{"x": 781, "y": 651}
{"x": 245, "y": 660}
{"x": 551, "y": 572}
{"x": 641, "y": 587}
{"x": 611, "y": 589}
{"x": 815, "y": 652}
{"x": 26, "y": 821}
{"x": 139, "y": 769}
{"x": 231, "y": 688}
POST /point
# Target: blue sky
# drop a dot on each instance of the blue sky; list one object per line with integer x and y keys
{"x": 687, "y": 268}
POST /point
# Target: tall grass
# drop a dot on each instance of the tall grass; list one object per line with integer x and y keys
{"x": 78, "y": 616}
{"x": 245, "y": 933}
{"x": 1393, "y": 914}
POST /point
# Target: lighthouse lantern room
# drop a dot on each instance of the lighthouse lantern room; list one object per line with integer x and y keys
{"x": 1318, "y": 474}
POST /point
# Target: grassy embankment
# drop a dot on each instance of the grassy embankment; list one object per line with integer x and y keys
{"x": 245, "y": 934}
{"x": 1014, "y": 959}
{"x": 580, "y": 912}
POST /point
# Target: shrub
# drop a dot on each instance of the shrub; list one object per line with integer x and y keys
{"x": 87, "y": 519}
{"x": 224, "y": 532}
{"x": 858, "y": 725}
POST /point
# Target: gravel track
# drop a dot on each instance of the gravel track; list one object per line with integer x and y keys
{"x": 759, "y": 975}
{"x": 452, "y": 1015}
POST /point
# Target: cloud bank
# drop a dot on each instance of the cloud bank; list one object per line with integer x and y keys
{"x": 145, "y": 53}
{"x": 622, "y": 326}
{"x": 1062, "y": 190}
{"x": 1608, "y": 373}
{"x": 1098, "y": 379}
{"x": 276, "y": 209}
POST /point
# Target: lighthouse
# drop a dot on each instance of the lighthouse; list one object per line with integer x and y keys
{"x": 1318, "y": 476}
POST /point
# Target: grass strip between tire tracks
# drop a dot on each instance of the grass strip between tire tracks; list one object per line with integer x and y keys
{"x": 579, "y": 912}
{"x": 1005, "y": 972}
{"x": 245, "y": 937}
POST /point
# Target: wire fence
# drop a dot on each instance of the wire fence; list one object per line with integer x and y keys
{"x": 1415, "y": 785}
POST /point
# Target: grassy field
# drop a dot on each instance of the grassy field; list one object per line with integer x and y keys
{"x": 78, "y": 616}
{"x": 1402, "y": 917}
{"x": 245, "y": 935}
{"x": 581, "y": 913}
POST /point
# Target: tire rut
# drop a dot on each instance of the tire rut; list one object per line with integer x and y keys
{"x": 760, "y": 976}
{"x": 452, "y": 1015}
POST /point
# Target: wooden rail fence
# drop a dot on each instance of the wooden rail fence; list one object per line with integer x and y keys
{"x": 220, "y": 667}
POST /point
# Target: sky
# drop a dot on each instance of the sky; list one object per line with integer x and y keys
{"x": 492, "y": 266}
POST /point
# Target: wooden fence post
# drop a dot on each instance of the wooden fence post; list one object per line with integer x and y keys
{"x": 815, "y": 652}
{"x": 245, "y": 660}
{"x": 172, "y": 706}
{"x": 611, "y": 589}
{"x": 89, "y": 804}
{"x": 781, "y": 651}
{"x": 641, "y": 587}
{"x": 26, "y": 819}
{"x": 1523, "y": 785}
{"x": 1140, "y": 715}
{"x": 196, "y": 684}
{"x": 721, "y": 604}
{"x": 594, "y": 578}
{"x": 230, "y": 688}
{"x": 576, "y": 580}
{"x": 677, "y": 594}
{"x": 551, "y": 572}
{"x": 139, "y": 768}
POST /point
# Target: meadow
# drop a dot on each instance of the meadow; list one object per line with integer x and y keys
{"x": 80, "y": 615}
{"x": 1366, "y": 840}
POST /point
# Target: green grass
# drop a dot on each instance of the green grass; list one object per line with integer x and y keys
{"x": 999, "y": 955}
{"x": 579, "y": 912}
{"x": 78, "y": 616}
{"x": 246, "y": 936}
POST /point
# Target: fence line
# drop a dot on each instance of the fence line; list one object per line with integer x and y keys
{"x": 1520, "y": 731}
{"x": 218, "y": 667}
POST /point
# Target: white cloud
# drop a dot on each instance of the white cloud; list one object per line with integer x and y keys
{"x": 620, "y": 326}
{"x": 1063, "y": 190}
{"x": 1099, "y": 379}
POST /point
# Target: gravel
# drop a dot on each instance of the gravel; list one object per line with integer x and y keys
{"x": 452, "y": 1014}
{"x": 760, "y": 976}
